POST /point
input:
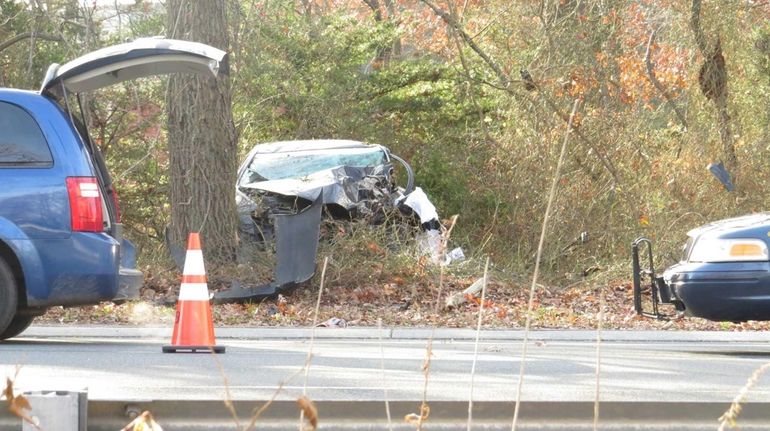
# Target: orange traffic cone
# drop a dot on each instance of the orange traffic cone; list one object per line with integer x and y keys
{"x": 193, "y": 326}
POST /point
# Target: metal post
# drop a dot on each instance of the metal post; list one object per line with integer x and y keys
{"x": 58, "y": 410}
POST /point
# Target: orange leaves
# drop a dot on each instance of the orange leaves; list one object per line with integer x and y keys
{"x": 415, "y": 419}
{"x": 489, "y": 305}
{"x": 365, "y": 294}
{"x": 309, "y": 410}
{"x": 374, "y": 248}
{"x": 18, "y": 405}
{"x": 669, "y": 62}
{"x": 284, "y": 309}
{"x": 472, "y": 299}
{"x": 644, "y": 220}
{"x": 581, "y": 82}
{"x": 620, "y": 67}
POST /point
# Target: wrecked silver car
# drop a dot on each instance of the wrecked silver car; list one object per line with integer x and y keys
{"x": 352, "y": 179}
{"x": 284, "y": 189}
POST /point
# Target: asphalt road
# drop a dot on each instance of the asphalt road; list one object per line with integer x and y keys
{"x": 353, "y": 364}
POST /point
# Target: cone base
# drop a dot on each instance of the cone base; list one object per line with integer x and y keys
{"x": 194, "y": 349}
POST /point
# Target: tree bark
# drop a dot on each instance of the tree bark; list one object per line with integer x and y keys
{"x": 202, "y": 140}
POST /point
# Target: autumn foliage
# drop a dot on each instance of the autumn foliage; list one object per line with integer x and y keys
{"x": 441, "y": 83}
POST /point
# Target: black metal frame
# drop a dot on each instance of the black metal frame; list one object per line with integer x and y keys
{"x": 659, "y": 291}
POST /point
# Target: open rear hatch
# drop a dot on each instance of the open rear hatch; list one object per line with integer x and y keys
{"x": 137, "y": 59}
{"x": 112, "y": 65}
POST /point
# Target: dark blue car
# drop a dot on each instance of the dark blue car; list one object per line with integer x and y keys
{"x": 723, "y": 275}
{"x": 60, "y": 233}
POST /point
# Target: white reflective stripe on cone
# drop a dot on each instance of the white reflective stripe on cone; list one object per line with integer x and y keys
{"x": 193, "y": 263}
{"x": 194, "y": 292}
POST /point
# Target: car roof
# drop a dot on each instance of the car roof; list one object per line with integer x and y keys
{"x": 17, "y": 93}
{"x": 29, "y": 100}
{"x": 748, "y": 226}
{"x": 308, "y": 145}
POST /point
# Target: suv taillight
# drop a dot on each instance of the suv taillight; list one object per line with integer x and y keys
{"x": 85, "y": 204}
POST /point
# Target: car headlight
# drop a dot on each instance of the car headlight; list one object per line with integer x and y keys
{"x": 728, "y": 250}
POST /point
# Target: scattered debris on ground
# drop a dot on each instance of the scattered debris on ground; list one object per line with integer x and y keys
{"x": 398, "y": 304}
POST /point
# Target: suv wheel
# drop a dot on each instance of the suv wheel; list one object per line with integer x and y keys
{"x": 8, "y": 296}
{"x": 17, "y": 326}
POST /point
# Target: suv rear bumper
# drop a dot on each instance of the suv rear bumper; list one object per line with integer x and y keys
{"x": 130, "y": 280}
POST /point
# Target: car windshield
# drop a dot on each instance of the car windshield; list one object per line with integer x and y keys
{"x": 299, "y": 164}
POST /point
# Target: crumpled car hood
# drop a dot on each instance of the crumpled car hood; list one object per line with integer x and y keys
{"x": 341, "y": 185}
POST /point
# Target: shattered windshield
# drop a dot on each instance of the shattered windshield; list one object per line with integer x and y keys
{"x": 278, "y": 166}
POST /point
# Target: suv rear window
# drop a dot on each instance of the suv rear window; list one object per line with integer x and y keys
{"x": 21, "y": 140}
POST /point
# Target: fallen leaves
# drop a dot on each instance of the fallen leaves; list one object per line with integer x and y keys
{"x": 418, "y": 419}
{"x": 18, "y": 405}
{"x": 309, "y": 410}
{"x": 363, "y": 303}
{"x": 143, "y": 422}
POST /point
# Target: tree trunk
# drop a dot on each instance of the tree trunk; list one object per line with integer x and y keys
{"x": 713, "y": 83}
{"x": 202, "y": 140}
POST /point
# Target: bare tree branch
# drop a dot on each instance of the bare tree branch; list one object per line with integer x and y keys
{"x": 657, "y": 84}
{"x": 30, "y": 34}
{"x": 700, "y": 38}
{"x": 505, "y": 82}
{"x": 714, "y": 64}
{"x": 501, "y": 75}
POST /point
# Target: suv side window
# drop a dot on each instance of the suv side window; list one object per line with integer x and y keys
{"x": 21, "y": 141}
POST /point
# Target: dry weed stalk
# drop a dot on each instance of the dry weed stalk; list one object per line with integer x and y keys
{"x": 442, "y": 251}
{"x": 384, "y": 380}
{"x": 309, "y": 411}
{"x": 305, "y": 368}
{"x": 228, "y": 397}
{"x": 730, "y": 417}
{"x": 258, "y": 412}
{"x": 476, "y": 344}
{"x": 313, "y": 420}
{"x": 598, "y": 357}
{"x": 531, "y": 301}
{"x": 419, "y": 419}
{"x": 414, "y": 418}
{"x": 18, "y": 405}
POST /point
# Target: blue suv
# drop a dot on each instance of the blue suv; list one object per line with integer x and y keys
{"x": 60, "y": 233}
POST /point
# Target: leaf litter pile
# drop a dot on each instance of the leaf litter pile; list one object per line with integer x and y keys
{"x": 401, "y": 299}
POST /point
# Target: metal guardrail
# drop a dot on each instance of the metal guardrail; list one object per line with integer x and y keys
{"x": 444, "y": 415}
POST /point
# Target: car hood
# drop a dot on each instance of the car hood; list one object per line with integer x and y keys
{"x": 143, "y": 57}
{"x": 340, "y": 185}
{"x": 749, "y": 226}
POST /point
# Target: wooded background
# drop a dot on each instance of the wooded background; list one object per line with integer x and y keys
{"x": 473, "y": 93}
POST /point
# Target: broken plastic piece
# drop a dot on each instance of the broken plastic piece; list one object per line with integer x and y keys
{"x": 456, "y": 254}
{"x": 296, "y": 247}
{"x": 721, "y": 173}
{"x": 429, "y": 243}
{"x": 334, "y": 322}
{"x": 419, "y": 202}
